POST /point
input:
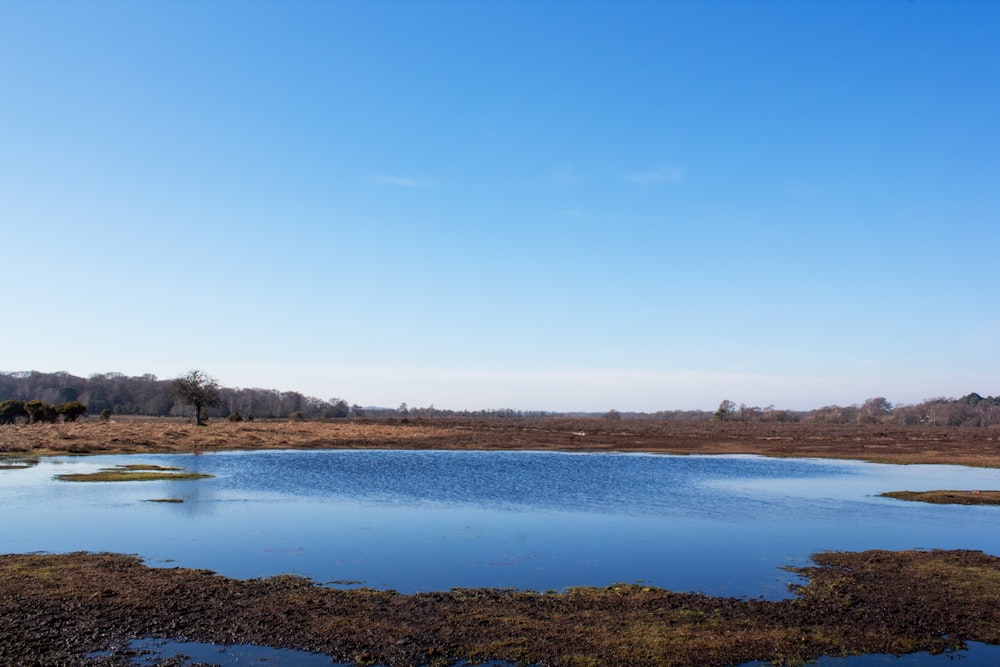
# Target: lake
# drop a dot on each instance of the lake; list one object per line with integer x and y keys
{"x": 432, "y": 520}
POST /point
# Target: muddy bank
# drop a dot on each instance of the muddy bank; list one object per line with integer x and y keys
{"x": 882, "y": 443}
{"x": 54, "y": 609}
{"x": 942, "y": 497}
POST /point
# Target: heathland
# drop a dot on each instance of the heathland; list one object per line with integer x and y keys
{"x": 866, "y": 442}
{"x": 57, "y": 609}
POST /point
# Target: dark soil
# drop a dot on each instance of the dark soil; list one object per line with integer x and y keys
{"x": 54, "y": 609}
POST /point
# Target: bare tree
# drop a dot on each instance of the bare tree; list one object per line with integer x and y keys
{"x": 197, "y": 389}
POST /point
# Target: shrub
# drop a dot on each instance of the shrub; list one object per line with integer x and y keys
{"x": 39, "y": 411}
{"x": 234, "y": 417}
{"x": 71, "y": 410}
{"x": 105, "y": 414}
{"x": 11, "y": 410}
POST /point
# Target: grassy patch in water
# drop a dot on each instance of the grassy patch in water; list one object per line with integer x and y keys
{"x": 942, "y": 497}
{"x": 132, "y": 473}
{"x": 17, "y": 463}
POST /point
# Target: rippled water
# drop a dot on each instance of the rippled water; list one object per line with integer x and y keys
{"x": 432, "y": 520}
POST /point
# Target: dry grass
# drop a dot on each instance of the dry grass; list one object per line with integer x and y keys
{"x": 891, "y": 444}
{"x": 169, "y": 435}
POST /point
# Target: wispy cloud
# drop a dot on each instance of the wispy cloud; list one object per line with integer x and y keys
{"x": 578, "y": 213}
{"x": 668, "y": 174}
{"x": 802, "y": 191}
{"x": 564, "y": 176}
{"x": 402, "y": 181}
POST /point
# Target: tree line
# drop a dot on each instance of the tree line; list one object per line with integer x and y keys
{"x": 119, "y": 394}
{"x": 116, "y": 393}
{"x": 971, "y": 410}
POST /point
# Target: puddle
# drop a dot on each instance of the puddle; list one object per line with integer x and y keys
{"x": 977, "y": 655}
{"x": 190, "y": 654}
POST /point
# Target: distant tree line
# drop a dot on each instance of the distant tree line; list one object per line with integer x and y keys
{"x": 971, "y": 410}
{"x": 116, "y": 393}
{"x": 120, "y": 394}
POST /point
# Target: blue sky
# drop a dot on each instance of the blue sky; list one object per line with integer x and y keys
{"x": 537, "y": 205}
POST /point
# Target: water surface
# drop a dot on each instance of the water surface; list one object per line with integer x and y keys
{"x": 433, "y": 520}
{"x": 198, "y": 653}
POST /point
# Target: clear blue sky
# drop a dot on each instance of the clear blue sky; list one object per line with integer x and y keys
{"x": 537, "y": 205}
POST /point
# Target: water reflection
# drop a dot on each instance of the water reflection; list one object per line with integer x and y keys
{"x": 17, "y": 463}
{"x": 199, "y": 653}
{"x": 189, "y": 654}
{"x": 184, "y": 654}
{"x": 417, "y": 521}
{"x": 977, "y": 655}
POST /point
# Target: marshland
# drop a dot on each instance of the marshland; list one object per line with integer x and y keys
{"x": 550, "y": 541}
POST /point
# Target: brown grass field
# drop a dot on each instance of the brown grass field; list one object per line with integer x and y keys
{"x": 879, "y": 443}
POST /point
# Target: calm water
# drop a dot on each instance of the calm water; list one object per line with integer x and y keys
{"x": 418, "y": 521}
